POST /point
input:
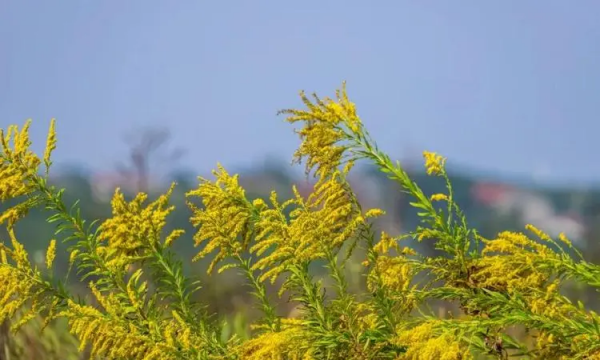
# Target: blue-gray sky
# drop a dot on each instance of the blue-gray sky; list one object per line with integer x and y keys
{"x": 501, "y": 86}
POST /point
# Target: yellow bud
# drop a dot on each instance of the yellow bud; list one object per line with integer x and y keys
{"x": 439, "y": 197}
{"x": 73, "y": 256}
{"x": 374, "y": 213}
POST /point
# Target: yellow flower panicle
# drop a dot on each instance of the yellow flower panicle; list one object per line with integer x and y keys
{"x": 19, "y": 170}
{"x": 395, "y": 273}
{"x": 15, "y": 291}
{"x": 18, "y": 253}
{"x": 112, "y": 337}
{"x": 133, "y": 226}
{"x": 17, "y": 163}
{"x": 322, "y": 222}
{"x": 18, "y": 285}
{"x": 225, "y": 221}
{"x": 11, "y": 215}
{"x": 386, "y": 243}
{"x": 539, "y": 233}
{"x": 290, "y": 343}
{"x": 327, "y": 125}
{"x": 509, "y": 263}
{"x": 425, "y": 343}
{"x": 434, "y": 163}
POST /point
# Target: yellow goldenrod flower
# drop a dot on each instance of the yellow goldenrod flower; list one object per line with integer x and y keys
{"x": 512, "y": 262}
{"x": 17, "y": 163}
{"x": 225, "y": 221}
{"x": 114, "y": 338}
{"x": 395, "y": 274}
{"x": 386, "y": 243}
{"x": 327, "y": 124}
{"x": 133, "y": 226}
{"x": 539, "y": 233}
{"x": 17, "y": 282}
{"x": 434, "y": 163}
{"x": 425, "y": 343}
{"x": 290, "y": 343}
{"x": 324, "y": 221}
{"x": 562, "y": 237}
{"x": 15, "y": 213}
{"x": 15, "y": 291}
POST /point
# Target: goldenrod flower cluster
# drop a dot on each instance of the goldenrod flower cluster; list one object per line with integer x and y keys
{"x": 327, "y": 124}
{"x": 225, "y": 221}
{"x": 434, "y": 163}
{"x": 20, "y": 283}
{"x": 424, "y": 343}
{"x": 509, "y": 264}
{"x": 321, "y": 223}
{"x": 18, "y": 162}
{"x": 133, "y": 227}
{"x": 112, "y": 337}
{"x": 289, "y": 343}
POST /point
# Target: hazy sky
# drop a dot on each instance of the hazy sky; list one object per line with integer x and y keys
{"x": 506, "y": 86}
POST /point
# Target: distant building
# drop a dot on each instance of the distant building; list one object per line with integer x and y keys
{"x": 531, "y": 209}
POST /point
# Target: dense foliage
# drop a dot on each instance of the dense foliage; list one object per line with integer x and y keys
{"x": 143, "y": 306}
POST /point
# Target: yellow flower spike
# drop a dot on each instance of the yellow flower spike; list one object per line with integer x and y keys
{"x": 73, "y": 256}
{"x": 134, "y": 227}
{"x": 286, "y": 344}
{"x": 327, "y": 124}
{"x": 50, "y": 254}
{"x": 21, "y": 139}
{"x": 173, "y": 236}
{"x": 425, "y": 344}
{"x": 225, "y": 222}
{"x": 394, "y": 272}
{"x": 109, "y": 337}
{"x": 539, "y": 233}
{"x": 17, "y": 164}
{"x": 434, "y": 163}
{"x": 19, "y": 254}
{"x": 386, "y": 243}
{"x": 349, "y": 165}
{"x": 323, "y": 221}
{"x": 565, "y": 240}
{"x": 50, "y": 144}
{"x": 408, "y": 251}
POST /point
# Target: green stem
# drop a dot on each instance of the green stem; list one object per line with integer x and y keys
{"x": 181, "y": 292}
{"x": 312, "y": 297}
{"x": 261, "y": 293}
{"x": 384, "y": 304}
